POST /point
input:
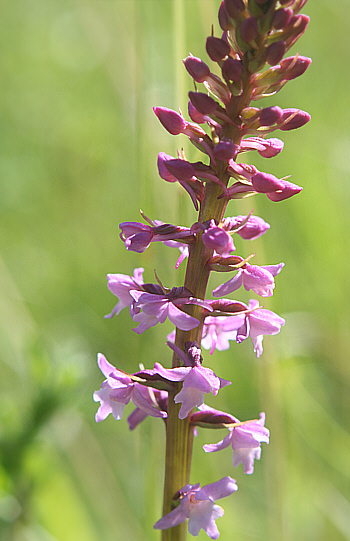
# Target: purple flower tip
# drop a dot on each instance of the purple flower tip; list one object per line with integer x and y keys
{"x": 172, "y": 121}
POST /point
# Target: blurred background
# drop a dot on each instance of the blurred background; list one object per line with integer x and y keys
{"x": 79, "y": 143}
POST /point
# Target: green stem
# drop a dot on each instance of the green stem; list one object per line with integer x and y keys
{"x": 179, "y": 433}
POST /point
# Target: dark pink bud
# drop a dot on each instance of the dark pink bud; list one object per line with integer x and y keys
{"x": 194, "y": 115}
{"x": 217, "y": 48}
{"x": 233, "y": 7}
{"x": 273, "y": 147}
{"x": 217, "y": 239}
{"x": 275, "y": 52}
{"x": 198, "y": 70}
{"x": 249, "y": 29}
{"x": 172, "y": 121}
{"x": 203, "y": 103}
{"x": 270, "y": 115}
{"x": 297, "y": 119}
{"x": 163, "y": 171}
{"x": 224, "y": 20}
{"x": 181, "y": 169}
{"x": 298, "y": 66}
{"x": 225, "y": 150}
{"x": 287, "y": 191}
{"x": 265, "y": 183}
{"x": 286, "y": 2}
{"x": 281, "y": 18}
{"x": 299, "y": 24}
{"x": 232, "y": 69}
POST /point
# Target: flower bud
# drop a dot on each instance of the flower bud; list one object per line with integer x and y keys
{"x": 162, "y": 170}
{"x": 195, "y": 115}
{"x": 249, "y": 29}
{"x": 224, "y": 20}
{"x": 299, "y": 65}
{"x": 232, "y": 69}
{"x": 281, "y": 18}
{"x": 203, "y": 103}
{"x": 181, "y": 169}
{"x": 265, "y": 183}
{"x": 234, "y": 7}
{"x": 275, "y": 52}
{"x": 217, "y": 48}
{"x": 198, "y": 70}
{"x": 217, "y": 239}
{"x": 287, "y": 191}
{"x": 270, "y": 115}
{"x": 172, "y": 121}
{"x": 273, "y": 147}
{"x": 297, "y": 120}
{"x": 225, "y": 150}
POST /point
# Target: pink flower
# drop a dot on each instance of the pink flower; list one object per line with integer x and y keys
{"x": 197, "y": 380}
{"x": 117, "y": 391}
{"x": 257, "y": 323}
{"x": 245, "y": 440}
{"x": 121, "y": 285}
{"x": 152, "y": 308}
{"x": 258, "y": 279}
{"x": 217, "y": 331}
{"x": 197, "y": 505}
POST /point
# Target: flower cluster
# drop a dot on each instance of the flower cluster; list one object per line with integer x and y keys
{"x": 224, "y": 123}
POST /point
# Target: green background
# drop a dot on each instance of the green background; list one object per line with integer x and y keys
{"x": 79, "y": 143}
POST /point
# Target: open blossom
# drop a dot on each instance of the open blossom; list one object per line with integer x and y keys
{"x": 217, "y": 331}
{"x": 117, "y": 390}
{"x": 138, "y": 415}
{"x": 258, "y": 279}
{"x": 121, "y": 285}
{"x": 197, "y": 380}
{"x": 152, "y": 308}
{"x": 197, "y": 505}
{"x": 257, "y": 323}
{"x": 244, "y": 439}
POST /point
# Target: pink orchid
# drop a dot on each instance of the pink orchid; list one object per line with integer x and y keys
{"x": 197, "y": 505}
{"x": 117, "y": 391}
{"x": 258, "y": 279}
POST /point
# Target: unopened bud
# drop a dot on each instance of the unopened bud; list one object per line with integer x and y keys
{"x": 297, "y": 119}
{"x": 203, "y": 103}
{"x": 234, "y": 7}
{"x": 198, "y": 70}
{"x": 275, "y": 52}
{"x": 224, "y": 20}
{"x": 265, "y": 183}
{"x": 232, "y": 69}
{"x": 289, "y": 189}
{"x": 217, "y": 48}
{"x": 249, "y": 29}
{"x": 172, "y": 121}
{"x": 281, "y": 18}
{"x": 270, "y": 115}
{"x": 225, "y": 150}
{"x": 181, "y": 169}
{"x": 298, "y": 66}
{"x": 273, "y": 147}
{"x": 195, "y": 115}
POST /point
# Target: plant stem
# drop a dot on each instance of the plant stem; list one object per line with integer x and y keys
{"x": 179, "y": 433}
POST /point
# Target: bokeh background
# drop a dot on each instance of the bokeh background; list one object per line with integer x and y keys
{"x": 79, "y": 143}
